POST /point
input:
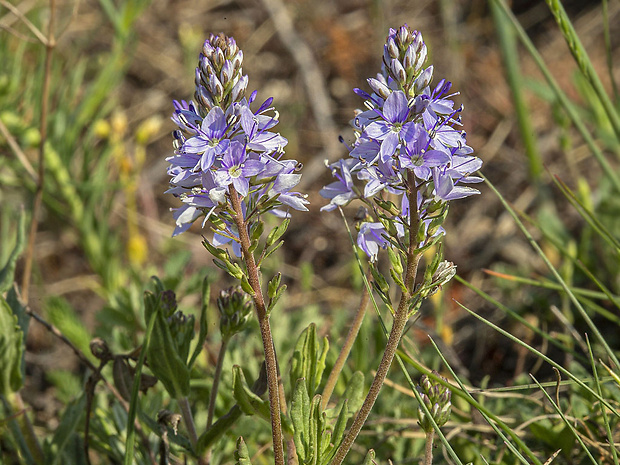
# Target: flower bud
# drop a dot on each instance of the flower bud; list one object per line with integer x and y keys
{"x": 423, "y": 80}
{"x": 238, "y": 90}
{"x": 379, "y": 88}
{"x": 436, "y": 397}
{"x": 398, "y": 72}
{"x": 168, "y": 418}
{"x": 403, "y": 36}
{"x": 391, "y": 49}
{"x": 182, "y": 331}
{"x": 99, "y": 348}
{"x": 235, "y": 307}
{"x": 168, "y": 302}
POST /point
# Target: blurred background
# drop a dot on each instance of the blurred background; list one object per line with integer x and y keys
{"x": 106, "y": 225}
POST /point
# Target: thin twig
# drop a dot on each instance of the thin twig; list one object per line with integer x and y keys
{"x": 56, "y": 332}
{"x": 346, "y": 348}
{"x": 19, "y": 35}
{"x": 17, "y": 150}
{"x": 44, "y": 40}
{"x": 50, "y": 43}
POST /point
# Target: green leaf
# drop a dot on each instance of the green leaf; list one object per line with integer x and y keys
{"x": 300, "y": 417}
{"x": 11, "y": 350}
{"x": 256, "y": 230}
{"x": 71, "y": 420}
{"x": 274, "y": 300}
{"x": 246, "y": 286}
{"x": 395, "y": 261}
{"x": 8, "y": 271}
{"x": 62, "y": 315}
{"x": 163, "y": 359}
{"x": 248, "y": 402}
{"x": 354, "y": 393}
{"x": 380, "y": 281}
{"x": 277, "y": 233}
{"x": 272, "y": 250}
{"x": 308, "y": 359}
{"x": 370, "y": 458}
{"x": 23, "y": 319}
{"x": 273, "y": 285}
{"x": 339, "y": 429}
{"x": 242, "y": 456}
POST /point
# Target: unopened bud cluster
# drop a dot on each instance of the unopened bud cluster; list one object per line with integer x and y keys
{"x": 436, "y": 397}
{"x": 219, "y": 77}
{"x": 235, "y": 307}
{"x": 404, "y": 55}
{"x": 181, "y": 325}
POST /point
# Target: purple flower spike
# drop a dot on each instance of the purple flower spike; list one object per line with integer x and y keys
{"x": 408, "y": 144}
{"x": 221, "y": 142}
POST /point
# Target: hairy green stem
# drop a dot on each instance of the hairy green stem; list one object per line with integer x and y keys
{"x": 428, "y": 448}
{"x": 346, "y": 349}
{"x": 398, "y": 326}
{"x": 265, "y": 329}
{"x": 188, "y": 419}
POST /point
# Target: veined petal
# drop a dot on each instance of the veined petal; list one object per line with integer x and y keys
{"x": 285, "y": 182}
{"x": 395, "y": 108}
{"x": 388, "y": 147}
{"x": 214, "y": 125}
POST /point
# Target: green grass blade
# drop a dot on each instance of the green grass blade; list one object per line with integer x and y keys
{"x": 588, "y": 215}
{"x": 510, "y": 58}
{"x": 583, "y": 61}
{"x": 583, "y": 292}
{"x": 597, "y": 380}
{"x": 608, "y": 53}
{"x": 544, "y": 357}
{"x": 562, "y": 98}
{"x": 133, "y": 404}
{"x": 566, "y": 422}
{"x": 519, "y": 318}
{"x": 584, "y": 295}
{"x": 493, "y": 422}
{"x": 556, "y": 275}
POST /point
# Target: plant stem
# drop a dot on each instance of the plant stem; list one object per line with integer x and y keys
{"x": 216, "y": 381}
{"x": 271, "y": 363}
{"x": 50, "y": 43}
{"x": 428, "y": 449}
{"x": 188, "y": 419}
{"x": 398, "y": 326}
{"x": 346, "y": 349}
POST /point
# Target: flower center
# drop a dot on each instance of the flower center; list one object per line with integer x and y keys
{"x": 234, "y": 171}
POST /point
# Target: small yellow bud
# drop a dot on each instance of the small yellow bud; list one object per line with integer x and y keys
{"x": 137, "y": 249}
{"x": 102, "y": 129}
{"x": 148, "y": 129}
{"x": 119, "y": 123}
